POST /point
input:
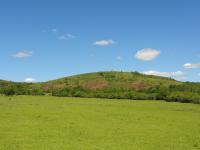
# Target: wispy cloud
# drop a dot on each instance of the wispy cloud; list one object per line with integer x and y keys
{"x": 176, "y": 74}
{"x": 191, "y": 66}
{"x": 119, "y": 58}
{"x": 30, "y": 80}
{"x": 23, "y": 54}
{"x": 67, "y": 37}
{"x": 54, "y": 30}
{"x": 147, "y": 54}
{"x": 104, "y": 42}
{"x": 60, "y": 35}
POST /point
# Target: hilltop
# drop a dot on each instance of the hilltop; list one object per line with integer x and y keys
{"x": 120, "y": 85}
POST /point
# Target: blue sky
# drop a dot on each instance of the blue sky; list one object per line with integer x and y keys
{"x": 43, "y": 40}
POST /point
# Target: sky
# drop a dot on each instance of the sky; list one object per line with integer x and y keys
{"x": 41, "y": 40}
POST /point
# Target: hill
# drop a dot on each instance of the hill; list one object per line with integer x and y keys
{"x": 120, "y": 85}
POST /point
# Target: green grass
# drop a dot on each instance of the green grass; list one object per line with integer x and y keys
{"x": 51, "y": 123}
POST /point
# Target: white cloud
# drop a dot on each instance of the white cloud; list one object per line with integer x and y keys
{"x": 23, "y": 54}
{"x": 67, "y": 37}
{"x": 104, "y": 42}
{"x": 198, "y": 74}
{"x": 147, "y": 54}
{"x": 30, "y": 80}
{"x": 176, "y": 74}
{"x": 191, "y": 66}
{"x": 119, "y": 58}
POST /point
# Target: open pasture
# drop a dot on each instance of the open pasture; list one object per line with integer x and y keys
{"x": 51, "y": 123}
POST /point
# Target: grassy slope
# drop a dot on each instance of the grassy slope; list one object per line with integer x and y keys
{"x": 108, "y": 79}
{"x": 120, "y": 85}
{"x": 49, "y": 123}
{"x": 101, "y": 80}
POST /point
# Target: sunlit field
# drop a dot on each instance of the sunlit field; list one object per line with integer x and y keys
{"x": 51, "y": 123}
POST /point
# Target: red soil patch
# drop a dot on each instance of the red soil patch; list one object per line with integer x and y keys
{"x": 139, "y": 86}
{"x": 53, "y": 86}
{"x": 95, "y": 85}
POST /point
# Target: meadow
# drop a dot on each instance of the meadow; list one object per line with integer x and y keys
{"x": 56, "y": 123}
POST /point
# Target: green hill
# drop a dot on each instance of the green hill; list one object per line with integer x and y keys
{"x": 120, "y": 85}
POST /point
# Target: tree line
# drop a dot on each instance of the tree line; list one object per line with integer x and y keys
{"x": 187, "y": 92}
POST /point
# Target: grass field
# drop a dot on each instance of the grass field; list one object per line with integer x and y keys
{"x": 51, "y": 123}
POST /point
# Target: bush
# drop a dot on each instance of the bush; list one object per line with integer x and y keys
{"x": 9, "y": 91}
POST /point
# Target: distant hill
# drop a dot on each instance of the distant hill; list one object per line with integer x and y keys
{"x": 120, "y": 85}
{"x": 104, "y": 81}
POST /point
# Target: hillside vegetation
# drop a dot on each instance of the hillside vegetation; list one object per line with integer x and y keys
{"x": 120, "y": 85}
